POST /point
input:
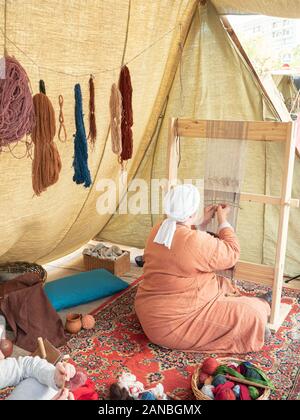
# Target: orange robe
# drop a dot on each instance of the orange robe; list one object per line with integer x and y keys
{"x": 182, "y": 304}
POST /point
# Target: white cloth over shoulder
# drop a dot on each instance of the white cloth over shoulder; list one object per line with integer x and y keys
{"x": 180, "y": 203}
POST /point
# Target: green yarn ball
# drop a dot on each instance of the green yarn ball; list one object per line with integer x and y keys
{"x": 254, "y": 393}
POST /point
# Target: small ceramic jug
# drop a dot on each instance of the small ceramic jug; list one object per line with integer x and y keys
{"x": 73, "y": 323}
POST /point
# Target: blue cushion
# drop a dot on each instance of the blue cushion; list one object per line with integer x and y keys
{"x": 83, "y": 288}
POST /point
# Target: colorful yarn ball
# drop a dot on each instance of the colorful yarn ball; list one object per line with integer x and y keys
{"x": 203, "y": 377}
{"x": 148, "y": 396}
{"x": 210, "y": 366}
{"x": 208, "y": 391}
{"x": 88, "y": 322}
{"x": 209, "y": 380}
{"x": 219, "y": 380}
{"x": 225, "y": 395}
{"x": 237, "y": 391}
{"x": 254, "y": 392}
{"x": 245, "y": 395}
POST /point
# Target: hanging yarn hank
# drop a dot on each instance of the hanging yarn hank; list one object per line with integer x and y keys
{"x": 116, "y": 119}
{"x": 46, "y": 165}
{"x": 62, "y": 132}
{"x": 82, "y": 173}
{"x": 17, "y": 116}
{"x": 92, "y": 116}
{"x": 125, "y": 87}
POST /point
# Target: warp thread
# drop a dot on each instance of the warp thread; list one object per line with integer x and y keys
{"x": 92, "y": 115}
{"x": 116, "y": 119}
{"x": 17, "y": 116}
{"x": 62, "y": 128}
{"x": 82, "y": 173}
{"x": 46, "y": 165}
{"x": 125, "y": 87}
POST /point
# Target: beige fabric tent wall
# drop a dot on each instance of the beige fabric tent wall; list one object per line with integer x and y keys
{"x": 286, "y": 86}
{"x": 208, "y": 63}
{"x": 79, "y": 37}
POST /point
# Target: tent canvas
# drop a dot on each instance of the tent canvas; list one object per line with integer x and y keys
{"x": 181, "y": 63}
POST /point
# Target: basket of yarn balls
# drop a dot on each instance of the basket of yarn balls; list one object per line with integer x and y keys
{"x": 211, "y": 381}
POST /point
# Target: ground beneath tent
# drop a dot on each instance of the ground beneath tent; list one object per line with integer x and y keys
{"x": 119, "y": 345}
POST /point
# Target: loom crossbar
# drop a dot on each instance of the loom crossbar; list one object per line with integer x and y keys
{"x": 253, "y": 131}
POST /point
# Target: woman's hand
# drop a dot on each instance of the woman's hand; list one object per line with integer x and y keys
{"x": 64, "y": 372}
{"x": 223, "y": 212}
{"x": 209, "y": 214}
{"x": 64, "y": 395}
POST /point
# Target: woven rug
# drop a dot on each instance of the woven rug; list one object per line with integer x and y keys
{"x": 119, "y": 345}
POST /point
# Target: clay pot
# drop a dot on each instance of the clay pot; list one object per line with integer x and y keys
{"x": 73, "y": 323}
{"x": 6, "y": 347}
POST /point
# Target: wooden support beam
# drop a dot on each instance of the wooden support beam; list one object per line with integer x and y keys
{"x": 254, "y": 130}
{"x": 268, "y": 199}
{"x": 254, "y": 273}
{"x": 286, "y": 192}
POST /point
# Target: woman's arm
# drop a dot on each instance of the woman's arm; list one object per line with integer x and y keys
{"x": 216, "y": 254}
{"x": 13, "y": 371}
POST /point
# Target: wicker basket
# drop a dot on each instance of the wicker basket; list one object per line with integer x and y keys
{"x": 225, "y": 361}
{"x": 118, "y": 267}
{"x": 24, "y": 267}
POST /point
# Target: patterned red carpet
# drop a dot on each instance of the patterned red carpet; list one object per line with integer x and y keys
{"x": 119, "y": 345}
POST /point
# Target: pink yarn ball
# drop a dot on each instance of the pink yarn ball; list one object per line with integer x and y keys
{"x": 88, "y": 322}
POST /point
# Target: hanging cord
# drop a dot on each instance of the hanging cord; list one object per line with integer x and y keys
{"x": 5, "y": 52}
{"x": 62, "y": 132}
{"x": 178, "y": 143}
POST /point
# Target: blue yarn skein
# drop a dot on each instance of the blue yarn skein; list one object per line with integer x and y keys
{"x": 82, "y": 173}
{"x": 237, "y": 391}
{"x": 148, "y": 396}
{"x": 219, "y": 380}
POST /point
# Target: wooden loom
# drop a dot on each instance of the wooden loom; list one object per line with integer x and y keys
{"x": 255, "y": 131}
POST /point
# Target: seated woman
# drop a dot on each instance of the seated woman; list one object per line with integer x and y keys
{"x": 182, "y": 304}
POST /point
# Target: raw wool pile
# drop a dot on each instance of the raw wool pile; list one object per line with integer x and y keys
{"x": 17, "y": 117}
{"x": 103, "y": 252}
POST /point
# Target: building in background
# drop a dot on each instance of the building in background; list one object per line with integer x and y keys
{"x": 270, "y": 42}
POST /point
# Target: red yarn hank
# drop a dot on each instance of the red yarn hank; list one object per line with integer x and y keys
{"x": 126, "y": 90}
{"x": 224, "y": 392}
{"x": 245, "y": 394}
{"x": 46, "y": 164}
{"x": 210, "y": 366}
{"x": 17, "y": 117}
{"x": 92, "y": 117}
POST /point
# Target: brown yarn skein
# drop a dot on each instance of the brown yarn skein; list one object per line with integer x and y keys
{"x": 92, "y": 116}
{"x": 46, "y": 164}
{"x": 127, "y": 117}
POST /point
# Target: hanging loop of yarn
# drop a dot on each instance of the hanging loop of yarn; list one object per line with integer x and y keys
{"x": 17, "y": 117}
{"x": 92, "y": 116}
{"x": 125, "y": 87}
{"x": 62, "y": 132}
{"x": 46, "y": 165}
{"x": 82, "y": 173}
{"x": 116, "y": 119}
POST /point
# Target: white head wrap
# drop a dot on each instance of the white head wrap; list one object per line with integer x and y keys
{"x": 180, "y": 203}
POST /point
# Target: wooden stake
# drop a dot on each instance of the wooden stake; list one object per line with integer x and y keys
{"x": 246, "y": 382}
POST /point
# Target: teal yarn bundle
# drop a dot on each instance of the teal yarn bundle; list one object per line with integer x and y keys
{"x": 219, "y": 380}
{"x": 82, "y": 173}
